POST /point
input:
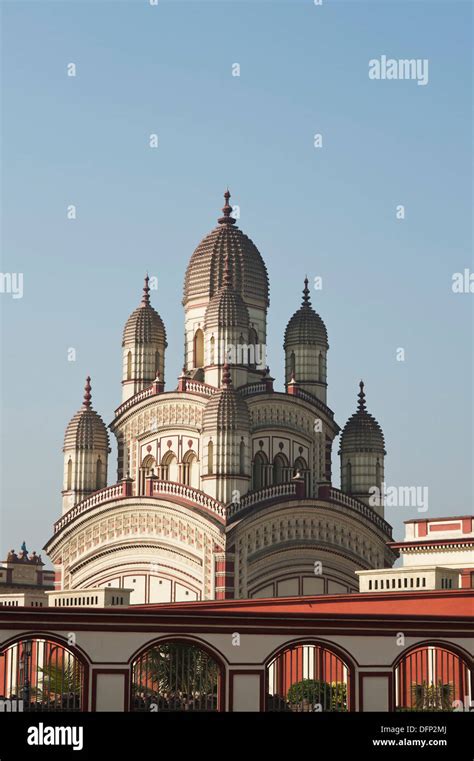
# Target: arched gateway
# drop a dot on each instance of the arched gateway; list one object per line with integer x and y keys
{"x": 176, "y": 676}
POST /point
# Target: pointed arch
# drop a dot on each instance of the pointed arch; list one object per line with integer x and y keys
{"x": 69, "y": 475}
{"x": 242, "y": 457}
{"x": 169, "y": 467}
{"x": 260, "y": 471}
{"x": 292, "y": 365}
{"x": 280, "y": 468}
{"x": 190, "y": 472}
{"x": 198, "y": 348}
{"x": 212, "y": 343}
{"x": 98, "y": 473}
{"x": 210, "y": 458}
{"x": 129, "y": 365}
{"x": 301, "y": 466}
{"x": 321, "y": 367}
{"x": 349, "y": 477}
{"x": 147, "y": 468}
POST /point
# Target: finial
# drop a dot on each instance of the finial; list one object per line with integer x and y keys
{"x": 146, "y": 292}
{"x": 226, "y": 379}
{"x": 306, "y": 298}
{"x": 87, "y": 393}
{"x": 361, "y": 396}
{"x": 226, "y": 209}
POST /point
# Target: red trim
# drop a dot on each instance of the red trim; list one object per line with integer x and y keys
{"x": 125, "y": 672}
{"x": 429, "y": 543}
{"x": 390, "y": 682}
{"x": 256, "y": 672}
{"x": 467, "y": 525}
{"x": 422, "y": 528}
{"x": 445, "y": 527}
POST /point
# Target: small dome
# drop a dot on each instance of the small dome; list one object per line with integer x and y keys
{"x": 144, "y": 324}
{"x": 362, "y": 433}
{"x": 306, "y": 326}
{"x": 226, "y": 409}
{"x": 86, "y": 430}
{"x": 227, "y": 309}
{"x": 205, "y": 271}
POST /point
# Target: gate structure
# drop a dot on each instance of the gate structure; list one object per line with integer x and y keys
{"x": 432, "y": 678}
{"x": 41, "y": 675}
{"x": 308, "y": 678}
{"x": 176, "y": 676}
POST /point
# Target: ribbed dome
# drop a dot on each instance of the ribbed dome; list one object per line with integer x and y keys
{"x": 86, "y": 430}
{"x": 362, "y": 433}
{"x": 226, "y": 409}
{"x": 227, "y": 308}
{"x": 205, "y": 272}
{"x": 306, "y": 326}
{"x": 144, "y": 324}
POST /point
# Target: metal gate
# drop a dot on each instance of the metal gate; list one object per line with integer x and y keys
{"x": 308, "y": 678}
{"x": 175, "y": 676}
{"x": 432, "y": 678}
{"x": 40, "y": 675}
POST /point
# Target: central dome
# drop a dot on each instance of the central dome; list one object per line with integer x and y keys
{"x": 205, "y": 272}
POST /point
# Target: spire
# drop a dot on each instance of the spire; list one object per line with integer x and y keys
{"x": 306, "y": 297}
{"x": 226, "y": 379}
{"x": 361, "y": 395}
{"x": 146, "y": 292}
{"x": 226, "y": 209}
{"x": 87, "y": 394}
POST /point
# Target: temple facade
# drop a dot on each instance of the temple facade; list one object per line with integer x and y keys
{"x": 225, "y": 485}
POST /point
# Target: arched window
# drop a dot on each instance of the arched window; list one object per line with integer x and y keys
{"x": 147, "y": 468}
{"x": 260, "y": 471}
{"x": 292, "y": 365}
{"x": 211, "y": 350}
{"x": 242, "y": 457}
{"x": 190, "y": 470}
{"x": 349, "y": 477}
{"x": 157, "y": 361}
{"x": 321, "y": 367}
{"x": 98, "y": 473}
{"x": 378, "y": 474}
{"x": 210, "y": 458}
{"x": 431, "y": 678}
{"x": 176, "y": 676}
{"x": 309, "y": 678}
{"x": 199, "y": 348}
{"x": 169, "y": 467}
{"x": 280, "y": 469}
{"x": 69, "y": 475}
{"x": 252, "y": 352}
{"x": 301, "y": 466}
{"x": 129, "y": 365}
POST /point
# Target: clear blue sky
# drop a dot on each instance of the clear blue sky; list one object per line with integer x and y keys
{"x": 327, "y": 212}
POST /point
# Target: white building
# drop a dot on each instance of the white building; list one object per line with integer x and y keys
{"x": 436, "y": 553}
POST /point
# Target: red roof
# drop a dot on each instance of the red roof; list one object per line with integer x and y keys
{"x": 457, "y": 602}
